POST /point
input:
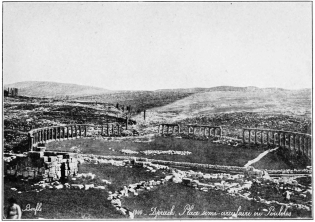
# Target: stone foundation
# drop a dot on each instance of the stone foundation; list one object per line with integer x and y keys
{"x": 48, "y": 166}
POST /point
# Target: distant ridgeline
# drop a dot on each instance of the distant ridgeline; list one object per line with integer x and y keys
{"x": 11, "y": 92}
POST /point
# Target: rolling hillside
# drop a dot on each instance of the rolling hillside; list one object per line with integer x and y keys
{"x": 52, "y": 89}
{"x": 182, "y": 102}
{"x": 295, "y": 101}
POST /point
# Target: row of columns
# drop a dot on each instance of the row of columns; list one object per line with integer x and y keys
{"x": 68, "y": 132}
{"x": 217, "y": 130}
{"x": 284, "y": 139}
{"x": 192, "y": 129}
{"x": 21, "y": 128}
{"x": 168, "y": 128}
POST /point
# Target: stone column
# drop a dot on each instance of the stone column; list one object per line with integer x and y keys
{"x": 75, "y": 130}
{"x": 71, "y": 127}
{"x": 299, "y": 146}
{"x": 310, "y": 147}
{"x": 118, "y": 130}
{"x": 59, "y": 132}
{"x": 249, "y": 136}
{"x": 48, "y": 134}
{"x": 30, "y": 141}
{"x": 112, "y": 129}
{"x": 67, "y": 132}
{"x": 303, "y": 144}
{"x": 38, "y": 132}
{"x": 34, "y": 134}
{"x": 64, "y": 132}
{"x": 44, "y": 135}
{"x": 107, "y": 129}
{"x": 194, "y": 130}
{"x": 274, "y": 137}
{"x": 243, "y": 133}
{"x": 294, "y": 143}
{"x": 103, "y": 130}
{"x": 53, "y": 133}
{"x": 41, "y": 135}
{"x": 85, "y": 131}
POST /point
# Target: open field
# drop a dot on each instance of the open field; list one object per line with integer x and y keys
{"x": 202, "y": 151}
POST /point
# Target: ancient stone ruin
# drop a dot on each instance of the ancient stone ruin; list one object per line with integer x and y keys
{"x": 47, "y": 134}
{"x": 11, "y": 92}
{"x": 293, "y": 142}
{"x": 165, "y": 129}
{"x": 42, "y": 165}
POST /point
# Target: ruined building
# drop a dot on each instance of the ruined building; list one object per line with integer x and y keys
{"x": 11, "y": 92}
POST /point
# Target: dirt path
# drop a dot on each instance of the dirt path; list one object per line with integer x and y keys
{"x": 260, "y": 156}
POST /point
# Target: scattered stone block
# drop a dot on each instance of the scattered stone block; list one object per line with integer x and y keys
{"x": 77, "y": 186}
{"x": 88, "y": 186}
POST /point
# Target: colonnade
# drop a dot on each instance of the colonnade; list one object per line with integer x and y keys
{"x": 168, "y": 128}
{"x": 191, "y": 129}
{"x": 204, "y": 130}
{"x": 47, "y": 134}
{"x": 295, "y": 142}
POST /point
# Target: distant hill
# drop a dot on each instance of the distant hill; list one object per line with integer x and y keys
{"x": 266, "y": 100}
{"x": 212, "y": 100}
{"x": 53, "y": 89}
{"x": 185, "y": 101}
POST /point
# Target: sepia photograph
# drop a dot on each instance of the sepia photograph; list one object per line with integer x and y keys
{"x": 165, "y": 110}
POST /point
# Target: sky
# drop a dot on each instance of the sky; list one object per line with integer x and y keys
{"x": 159, "y": 45}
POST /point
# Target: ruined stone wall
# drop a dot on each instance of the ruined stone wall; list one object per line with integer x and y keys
{"x": 11, "y": 92}
{"x": 47, "y": 166}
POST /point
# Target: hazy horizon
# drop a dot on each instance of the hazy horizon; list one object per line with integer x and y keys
{"x": 158, "y": 89}
{"x": 159, "y": 45}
